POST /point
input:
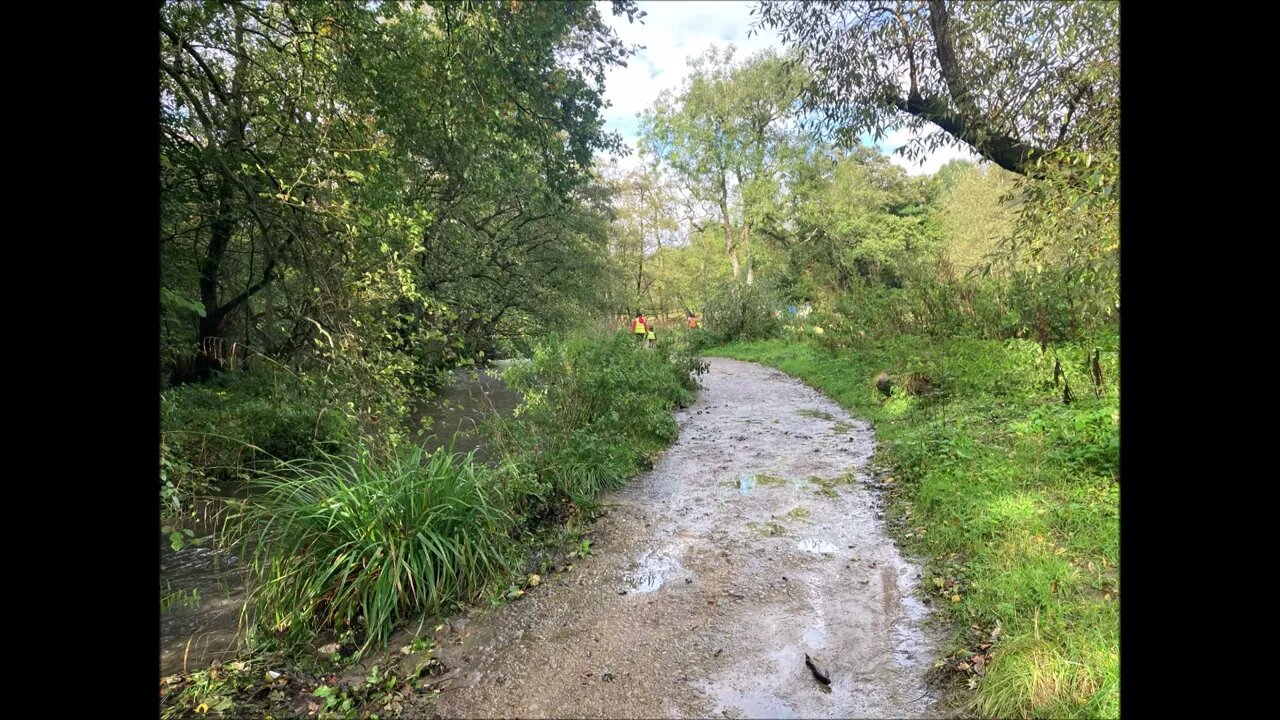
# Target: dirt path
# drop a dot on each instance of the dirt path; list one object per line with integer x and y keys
{"x": 715, "y": 574}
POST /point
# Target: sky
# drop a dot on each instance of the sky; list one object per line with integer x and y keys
{"x": 676, "y": 30}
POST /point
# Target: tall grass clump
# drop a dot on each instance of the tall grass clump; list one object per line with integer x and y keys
{"x": 353, "y": 536}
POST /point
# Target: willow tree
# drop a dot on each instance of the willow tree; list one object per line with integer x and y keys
{"x": 725, "y": 134}
{"x": 1034, "y": 87}
{"x": 1012, "y": 80}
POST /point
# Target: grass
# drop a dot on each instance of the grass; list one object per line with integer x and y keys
{"x": 799, "y": 512}
{"x": 1013, "y": 498}
{"x": 342, "y": 538}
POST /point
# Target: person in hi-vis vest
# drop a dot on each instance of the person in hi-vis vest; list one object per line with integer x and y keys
{"x": 639, "y": 326}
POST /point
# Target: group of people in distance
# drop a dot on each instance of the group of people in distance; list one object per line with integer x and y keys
{"x": 645, "y": 329}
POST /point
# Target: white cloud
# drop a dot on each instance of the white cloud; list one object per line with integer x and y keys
{"x": 673, "y": 33}
{"x": 931, "y": 162}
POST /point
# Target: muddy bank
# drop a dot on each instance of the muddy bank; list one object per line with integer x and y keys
{"x": 751, "y": 543}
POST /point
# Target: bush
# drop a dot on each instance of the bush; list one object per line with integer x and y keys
{"x": 742, "y": 312}
{"x": 594, "y": 408}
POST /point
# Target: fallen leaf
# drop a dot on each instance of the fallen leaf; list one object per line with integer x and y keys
{"x": 534, "y": 580}
{"x": 955, "y": 598}
{"x": 973, "y": 683}
{"x": 962, "y": 666}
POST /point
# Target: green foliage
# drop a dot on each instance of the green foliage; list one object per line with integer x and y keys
{"x": 256, "y": 687}
{"x": 211, "y": 433}
{"x": 1047, "y": 110}
{"x": 977, "y": 215}
{"x": 595, "y": 408}
{"x": 745, "y": 312}
{"x": 1067, "y": 244}
{"x": 318, "y": 208}
{"x": 358, "y": 541}
{"x": 1003, "y": 77}
{"x": 723, "y": 136}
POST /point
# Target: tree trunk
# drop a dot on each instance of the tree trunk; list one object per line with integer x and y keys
{"x": 730, "y": 246}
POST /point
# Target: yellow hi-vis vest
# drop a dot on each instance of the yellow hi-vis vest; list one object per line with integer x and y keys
{"x": 640, "y": 328}
{"x": 650, "y": 335}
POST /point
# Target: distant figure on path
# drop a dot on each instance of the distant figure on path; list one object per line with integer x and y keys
{"x": 639, "y": 326}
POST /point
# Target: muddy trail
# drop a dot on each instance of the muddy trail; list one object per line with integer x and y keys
{"x": 752, "y": 543}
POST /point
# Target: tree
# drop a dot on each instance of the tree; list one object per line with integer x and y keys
{"x": 725, "y": 136}
{"x": 977, "y": 213}
{"x": 314, "y": 197}
{"x": 1012, "y": 80}
{"x": 1031, "y": 86}
{"x": 642, "y": 224}
{"x": 859, "y": 218}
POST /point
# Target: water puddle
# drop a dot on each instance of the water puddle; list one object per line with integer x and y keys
{"x": 648, "y": 572}
{"x": 816, "y": 637}
{"x": 910, "y": 642}
{"x": 749, "y": 704}
{"x": 747, "y": 481}
{"x": 820, "y": 547}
